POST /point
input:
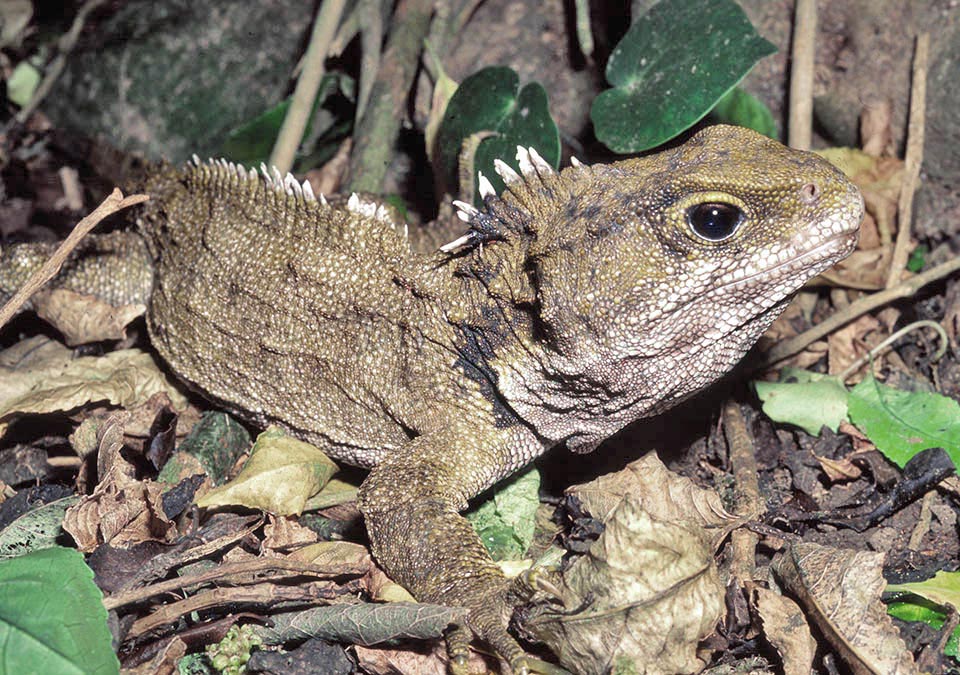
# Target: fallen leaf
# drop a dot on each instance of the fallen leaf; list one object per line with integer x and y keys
{"x": 165, "y": 662}
{"x": 423, "y": 659}
{"x": 505, "y": 521}
{"x": 354, "y": 558}
{"x": 639, "y": 601}
{"x": 839, "y": 469}
{"x": 84, "y": 318}
{"x": 664, "y": 495}
{"x": 363, "y": 624}
{"x": 282, "y": 534}
{"x": 122, "y": 510}
{"x": 840, "y": 593}
{"x": 805, "y": 399}
{"x": 943, "y": 588}
{"x": 40, "y": 376}
{"x": 281, "y": 474}
{"x": 785, "y": 627}
{"x": 902, "y": 423}
{"x": 850, "y": 343}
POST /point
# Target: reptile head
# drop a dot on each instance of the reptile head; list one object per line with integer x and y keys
{"x": 649, "y": 278}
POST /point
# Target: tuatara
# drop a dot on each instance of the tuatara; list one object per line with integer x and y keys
{"x": 576, "y": 303}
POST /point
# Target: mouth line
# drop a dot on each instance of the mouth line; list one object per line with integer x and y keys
{"x": 816, "y": 251}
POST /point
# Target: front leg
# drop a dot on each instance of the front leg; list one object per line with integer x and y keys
{"x": 411, "y": 505}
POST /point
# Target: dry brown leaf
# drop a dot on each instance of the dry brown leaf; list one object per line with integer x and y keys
{"x": 839, "y": 469}
{"x": 643, "y": 597}
{"x": 785, "y": 628}
{"x": 849, "y": 343}
{"x": 40, "y": 376}
{"x": 860, "y": 442}
{"x": 164, "y": 663}
{"x": 416, "y": 657}
{"x": 84, "y": 318}
{"x": 122, "y": 510}
{"x": 840, "y": 592}
{"x": 665, "y": 495}
{"x": 352, "y": 558}
{"x": 281, "y": 534}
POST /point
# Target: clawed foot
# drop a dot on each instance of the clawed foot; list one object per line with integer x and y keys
{"x": 487, "y": 621}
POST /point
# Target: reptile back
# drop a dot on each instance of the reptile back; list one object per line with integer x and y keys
{"x": 287, "y": 310}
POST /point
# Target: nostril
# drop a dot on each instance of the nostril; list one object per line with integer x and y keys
{"x": 810, "y": 192}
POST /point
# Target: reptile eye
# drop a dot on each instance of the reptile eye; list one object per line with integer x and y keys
{"x": 714, "y": 221}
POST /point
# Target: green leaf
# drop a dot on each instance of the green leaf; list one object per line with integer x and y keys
{"x": 743, "y": 109}
{"x": 943, "y": 588}
{"x": 918, "y": 258}
{"x": 22, "y": 83}
{"x": 902, "y": 423}
{"x": 490, "y": 101}
{"x": 921, "y": 610}
{"x": 363, "y": 624}
{"x": 810, "y": 401}
{"x": 671, "y": 68}
{"x": 52, "y": 618}
{"x": 506, "y": 522}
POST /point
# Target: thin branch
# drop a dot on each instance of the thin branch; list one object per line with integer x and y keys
{"x": 855, "y": 310}
{"x": 301, "y": 106}
{"x": 801, "y": 74}
{"x": 218, "y": 573}
{"x": 912, "y": 161}
{"x": 890, "y": 340}
{"x": 747, "y": 500}
{"x": 377, "y": 131}
{"x": 113, "y": 203}
{"x": 65, "y": 45}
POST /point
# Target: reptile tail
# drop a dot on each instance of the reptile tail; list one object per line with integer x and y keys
{"x": 115, "y": 268}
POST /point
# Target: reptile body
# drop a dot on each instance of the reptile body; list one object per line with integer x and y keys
{"x": 578, "y": 302}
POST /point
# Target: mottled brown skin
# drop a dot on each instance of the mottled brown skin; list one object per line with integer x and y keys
{"x": 581, "y": 302}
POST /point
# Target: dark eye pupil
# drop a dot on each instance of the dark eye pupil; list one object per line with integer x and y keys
{"x": 714, "y": 221}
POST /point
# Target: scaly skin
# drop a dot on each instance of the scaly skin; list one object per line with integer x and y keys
{"x": 579, "y": 302}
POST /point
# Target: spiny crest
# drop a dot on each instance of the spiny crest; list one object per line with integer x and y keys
{"x": 285, "y": 186}
{"x": 514, "y": 210}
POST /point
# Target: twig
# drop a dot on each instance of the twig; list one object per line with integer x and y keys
{"x": 912, "y": 161}
{"x": 113, "y": 203}
{"x": 923, "y": 522}
{"x": 218, "y": 597}
{"x": 872, "y": 354}
{"x": 219, "y": 573}
{"x": 301, "y": 106}
{"x": 65, "y": 45}
{"x": 377, "y": 130}
{"x": 856, "y": 309}
{"x": 747, "y": 500}
{"x": 801, "y": 74}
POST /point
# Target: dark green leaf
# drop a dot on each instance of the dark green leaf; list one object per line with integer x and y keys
{"x": 918, "y": 609}
{"x": 902, "y": 423}
{"x": 36, "y": 529}
{"x": 917, "y": 258}
{"x": 489, "y": 101}
{"x": 742, "y": 109}
{"x": 251, "y": 142}
{"x": 52, "y": 618}
{"x": 670, "y": 69}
